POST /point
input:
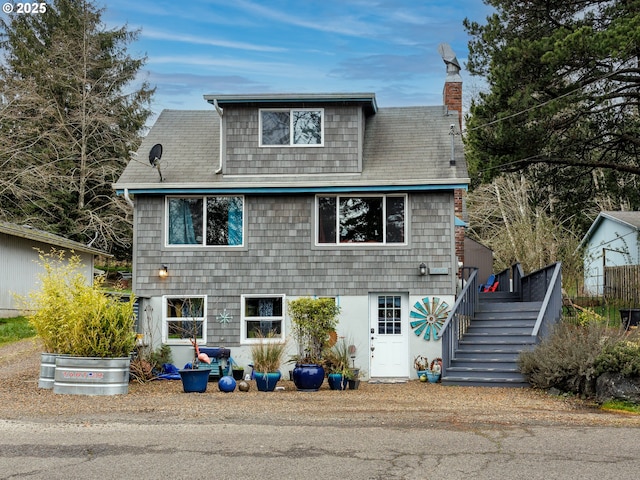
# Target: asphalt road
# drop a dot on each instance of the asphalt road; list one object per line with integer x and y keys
{"x": 46, "y": 450}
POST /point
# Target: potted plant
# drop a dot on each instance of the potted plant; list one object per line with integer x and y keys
{"x": 267, "y": 356}
{"x": 237, "y": 371}
{"x": 313, "y": 320}
{"x": 194, "y": 376}
{"x": 421, "y": 364}
{"x": 337, "y": 362}
{"x": 90, "y": 331}
{"x": 435, "y": 370}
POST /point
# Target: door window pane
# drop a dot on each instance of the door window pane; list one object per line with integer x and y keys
{"x": 389, "y": 315}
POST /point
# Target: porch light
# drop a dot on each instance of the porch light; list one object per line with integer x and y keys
{"x": 163, "y": 272}
{"x": 423, "y": 269}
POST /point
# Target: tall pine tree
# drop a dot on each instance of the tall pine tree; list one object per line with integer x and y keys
{"x": 563, "y": 100}
{"x": 71, "y": 110}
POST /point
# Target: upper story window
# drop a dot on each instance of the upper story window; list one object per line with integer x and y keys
{"x": 353, "y": 219}
{"x": 206, "y": 221}
{"x": 293, "y": 127}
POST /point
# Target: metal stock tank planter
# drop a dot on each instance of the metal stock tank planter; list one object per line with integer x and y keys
{"x": 88, "y": 334}
{"x": 47, "y": 369}
{"x": 91, "y": 375}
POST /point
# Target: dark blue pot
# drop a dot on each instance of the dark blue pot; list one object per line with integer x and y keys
{"x": 337, "y": 381}
{"x": 194, "y": 380}
{"x": 266, "y": 382}
{"x": 308, "y": 377}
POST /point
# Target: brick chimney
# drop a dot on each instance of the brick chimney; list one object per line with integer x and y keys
{"x": 452, "y": 99}
{"x": 452, "y": 93}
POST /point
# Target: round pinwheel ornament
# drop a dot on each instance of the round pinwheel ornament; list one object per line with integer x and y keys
{"x": 428, "y": 317}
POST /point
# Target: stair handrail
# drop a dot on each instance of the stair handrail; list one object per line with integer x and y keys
{"x": 457, "y": 322}
{"x": 544, "y": 285}
{"x": 516, "y": 278}
{"x": 504, "y": 279}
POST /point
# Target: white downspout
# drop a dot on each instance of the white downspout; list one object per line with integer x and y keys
{"x": 220, "y": 112}
{"x": 128, "y": 198}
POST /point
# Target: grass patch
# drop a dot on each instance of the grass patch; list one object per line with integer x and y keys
{"x": 621, "y": 406}
{"x": 14, "y": 329}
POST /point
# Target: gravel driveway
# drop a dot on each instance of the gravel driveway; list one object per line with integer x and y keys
{"x": 412, "y": 404}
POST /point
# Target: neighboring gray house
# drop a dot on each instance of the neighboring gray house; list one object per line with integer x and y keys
{"x": 19, "y": 268}
{"x": 612, "y": 240}
{"x": 270, "y": 197}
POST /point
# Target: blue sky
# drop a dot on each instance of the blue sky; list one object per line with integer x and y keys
{"x": 388, "y": 47}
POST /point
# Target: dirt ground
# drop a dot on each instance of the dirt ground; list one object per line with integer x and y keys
{"x": 412, "y": 404}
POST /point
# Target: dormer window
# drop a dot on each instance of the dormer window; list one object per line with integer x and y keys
{"x": 291, "y": 127}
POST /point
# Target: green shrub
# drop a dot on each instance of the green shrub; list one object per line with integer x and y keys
{"x": 566, "y": 359}
{"x": 75, "y": 318}
{"x": 622, "y": 357}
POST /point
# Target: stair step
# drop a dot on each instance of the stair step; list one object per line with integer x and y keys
{"x": 497, "y": 339}
{"x": 488, "y": 364}
{"x": 509, "y": 307}
{"x": 484, "y": 382}
{"x": 487, "y": 297}
{"x": 503, "y": 322}
{"x": 499, "y": 330}
{"x": 524, "y": 316}
{"x": 482, "y": 373}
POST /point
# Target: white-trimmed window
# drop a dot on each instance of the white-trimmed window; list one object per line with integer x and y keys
{"x": 183, "y": 317}
{"x": 206, "y": 221}
{"x": 262, "y": 315}
{"x": 352, "y": 219}
{"x": 292, "y": 127}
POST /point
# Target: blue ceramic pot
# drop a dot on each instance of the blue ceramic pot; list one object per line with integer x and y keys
{"x": 337, "y": 381}
{"x": 194, "y": 380}
{"x": 308, "y": 377}
{"x": 266, "y": 382}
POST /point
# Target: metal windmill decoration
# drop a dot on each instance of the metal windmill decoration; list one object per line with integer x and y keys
{"x": 429, "y": 317}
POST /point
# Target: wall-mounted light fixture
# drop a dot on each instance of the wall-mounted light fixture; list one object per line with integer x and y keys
{"x": 423, "y": 268}
{"x": 163, "y": 272}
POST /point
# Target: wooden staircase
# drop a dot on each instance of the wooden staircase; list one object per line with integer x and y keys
{"x": 487, "y": 353}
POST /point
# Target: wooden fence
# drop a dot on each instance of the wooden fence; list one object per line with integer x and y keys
{"x": 622, "y": 283}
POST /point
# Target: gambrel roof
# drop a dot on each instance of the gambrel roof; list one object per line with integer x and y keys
{"x": 404, "y": 148}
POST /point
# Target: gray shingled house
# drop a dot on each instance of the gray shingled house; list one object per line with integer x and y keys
{"x": 265, "y": 198}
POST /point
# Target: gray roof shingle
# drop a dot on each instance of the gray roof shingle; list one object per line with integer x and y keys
{"x": 402, "y": 146}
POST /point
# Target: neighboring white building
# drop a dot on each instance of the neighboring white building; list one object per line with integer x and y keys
{"x": 612, "y": 241}
{"x": 19, "y": 266}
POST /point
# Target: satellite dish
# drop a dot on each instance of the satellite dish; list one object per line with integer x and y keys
{"x": 155, "y": 154}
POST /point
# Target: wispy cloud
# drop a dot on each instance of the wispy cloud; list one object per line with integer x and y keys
{"x": 153, "y": 34}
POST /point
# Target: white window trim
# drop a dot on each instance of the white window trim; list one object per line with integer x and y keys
{"x": 384, "y": 243}
{"x": 165, "y": 327}
{"x": 243, "y": 325}
{"x": 291, "y": 110}
{"x": 202, "y": 245}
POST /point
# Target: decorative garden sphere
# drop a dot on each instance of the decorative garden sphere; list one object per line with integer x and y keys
{"x": 423, "y": 378}
{"x": 243, "y": 386}
{"x": 227, "y": 384}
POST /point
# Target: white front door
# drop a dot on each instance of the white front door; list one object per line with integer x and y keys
{"x": 389, "y": 336}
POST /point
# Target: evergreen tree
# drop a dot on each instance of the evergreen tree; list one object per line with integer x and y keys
{"x": 70, "y": 112}
{"x": 563, "y": 98}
